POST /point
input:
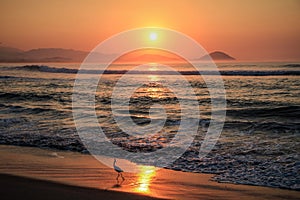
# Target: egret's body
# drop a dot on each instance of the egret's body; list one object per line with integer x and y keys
{"x": 119, "y": 170}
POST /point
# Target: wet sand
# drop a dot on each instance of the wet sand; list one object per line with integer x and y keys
{"x": 14, "y": 187}
{"x": 82, "y": 176}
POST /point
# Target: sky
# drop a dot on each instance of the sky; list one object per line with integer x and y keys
{"x": 247, "y": 30}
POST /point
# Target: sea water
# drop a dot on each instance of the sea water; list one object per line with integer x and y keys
{"x": 259, "y": 144}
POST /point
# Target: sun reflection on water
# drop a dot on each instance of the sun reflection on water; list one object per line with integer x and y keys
{"x": 145, "y": 176}
{"x": 153, "y": 78}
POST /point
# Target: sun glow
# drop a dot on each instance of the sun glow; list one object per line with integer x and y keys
{"x": 145, "y": 177}
{"x": 153, "y": 36}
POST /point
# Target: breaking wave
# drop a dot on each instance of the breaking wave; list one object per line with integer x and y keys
{"x": 47, "y": 69}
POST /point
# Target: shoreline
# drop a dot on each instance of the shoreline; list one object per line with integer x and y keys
{"x": 84, "y": 171}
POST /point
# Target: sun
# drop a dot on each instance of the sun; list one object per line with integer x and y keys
{"x": 153, "y": 36}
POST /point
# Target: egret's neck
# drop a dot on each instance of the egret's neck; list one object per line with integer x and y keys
{"x": 115, "y": 162}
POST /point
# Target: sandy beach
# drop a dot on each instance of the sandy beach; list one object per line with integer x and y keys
{"x": 14, "y": 187}
{"x": 37, "y": 173}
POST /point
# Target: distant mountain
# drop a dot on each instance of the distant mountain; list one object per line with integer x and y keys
{"x": 8, "y": 50}
{"x": 9, "y": 54}
{"x": 55, "y": 54}
{"x": 217, "y": 56}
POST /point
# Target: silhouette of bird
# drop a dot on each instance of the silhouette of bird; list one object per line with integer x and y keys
{"x": 119, "y": 170}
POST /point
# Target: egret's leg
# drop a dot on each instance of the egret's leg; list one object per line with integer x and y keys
{"x": 122, "y": 176}
{"x": 118, "y": 176}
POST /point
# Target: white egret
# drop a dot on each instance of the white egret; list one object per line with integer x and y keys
{"x": 119, "y": 170}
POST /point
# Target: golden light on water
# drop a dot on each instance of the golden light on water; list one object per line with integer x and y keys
{"x": 153, "y": 78}
{"x": 155, "y": 92}
{"x": 145, "y": 177}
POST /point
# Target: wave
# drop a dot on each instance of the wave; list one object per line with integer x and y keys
{"x": 7, "y": 77}
{"x": 292, "y": 65}
{"x": 47, "y": 69}
{"x": 22, "y": 109}
{"x": 31, "y": 96}
{"x": 43, "y": 68}
{"x": 285, "y": 112}
{"x": 25, "y": 96}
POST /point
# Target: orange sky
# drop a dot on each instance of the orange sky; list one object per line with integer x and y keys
{"x": 250, "y": 29}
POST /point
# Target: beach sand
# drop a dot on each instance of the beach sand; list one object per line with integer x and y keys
{"x": 52, "y": 174}
{"x": 14, "y": 187}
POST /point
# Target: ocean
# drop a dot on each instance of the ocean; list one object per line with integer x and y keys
{"x": 259, "y": 144}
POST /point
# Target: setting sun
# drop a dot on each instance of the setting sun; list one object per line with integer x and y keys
{"x": 153, "y": 36}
